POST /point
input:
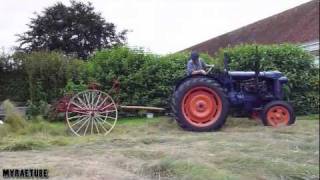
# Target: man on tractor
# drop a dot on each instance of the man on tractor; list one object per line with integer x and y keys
{"x": 202, "y": 102}
{"x": 196, "y": 65}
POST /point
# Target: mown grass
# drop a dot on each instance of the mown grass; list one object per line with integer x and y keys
{"x": 309, "y": 117}
{"x": 184, "y": 169}
{"x": 41, "y": 134}
{"x": 243, "y": 149}
{"x": 18, "y": 134}
{"x": 158, "y": 149}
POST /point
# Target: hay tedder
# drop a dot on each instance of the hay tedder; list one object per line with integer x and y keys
{"x": 202, "y": 102}
{"x": 93, "y": 111}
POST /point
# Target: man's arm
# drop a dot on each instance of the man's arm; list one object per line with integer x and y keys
{"x": 201, "y": 71}
{"x": 189, "y": 68}
{"x": 203, "y": 64}
{"x": 191, "y": 71}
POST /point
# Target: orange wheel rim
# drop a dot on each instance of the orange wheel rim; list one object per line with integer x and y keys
{"x": 277, "y": 116}
{"x": 201, "y": 106}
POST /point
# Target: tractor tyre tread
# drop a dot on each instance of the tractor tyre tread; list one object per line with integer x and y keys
{"x": 274, "y": 103}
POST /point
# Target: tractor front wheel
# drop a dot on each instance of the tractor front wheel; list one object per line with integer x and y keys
{"x": 278, "y": 113}
{"x": 199, "y": 104}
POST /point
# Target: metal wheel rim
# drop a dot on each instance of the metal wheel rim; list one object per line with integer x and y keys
{"x": 278, "y": 116}
{"x": 92, "y": 108}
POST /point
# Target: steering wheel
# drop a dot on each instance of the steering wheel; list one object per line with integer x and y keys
{"x": 210, "y": 66}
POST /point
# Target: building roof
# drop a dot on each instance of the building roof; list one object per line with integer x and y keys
{"x": 296, "y": 25}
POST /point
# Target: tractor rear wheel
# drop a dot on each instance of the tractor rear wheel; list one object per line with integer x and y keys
{"x": 278, "y": 113}
{"x": 199, "y": 104}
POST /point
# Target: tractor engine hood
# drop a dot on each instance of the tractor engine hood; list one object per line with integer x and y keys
{"x": 251, "y": 74}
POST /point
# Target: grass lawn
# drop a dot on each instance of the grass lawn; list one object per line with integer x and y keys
{"x": 140, "y": 148}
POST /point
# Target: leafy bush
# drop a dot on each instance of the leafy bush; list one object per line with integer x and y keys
{"x": 146, "y": 79}
{"x": 13, "y": 79}
{"x": 37, "y": 108}
{"x": 291, "y": 60}
{"x": 46, "y": 74}
{"x": 72, "y": 87}
{"x": 38, "y": 78}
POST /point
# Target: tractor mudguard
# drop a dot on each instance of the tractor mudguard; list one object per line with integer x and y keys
{"x": 180, "y": 81}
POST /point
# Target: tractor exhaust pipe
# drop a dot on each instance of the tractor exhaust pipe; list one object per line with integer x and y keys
{"x": 225, "y": 62}
{"x": 257, "y": 67}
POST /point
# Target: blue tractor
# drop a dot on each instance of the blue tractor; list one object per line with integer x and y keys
{"x": 203, "y": 102}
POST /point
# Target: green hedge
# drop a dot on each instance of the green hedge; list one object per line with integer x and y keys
{"x": 38, "y": 76}
{"x": 147, "y": 79}
{"x": 12, "y": 79}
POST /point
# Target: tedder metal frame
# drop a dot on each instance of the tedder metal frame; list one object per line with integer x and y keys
{"x": 93, "y": 111}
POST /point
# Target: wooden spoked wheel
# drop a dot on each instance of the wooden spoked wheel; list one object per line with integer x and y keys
{"x": 91, "y": 112}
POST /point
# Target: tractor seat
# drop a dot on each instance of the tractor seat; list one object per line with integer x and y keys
{"x": 251, "y": 74}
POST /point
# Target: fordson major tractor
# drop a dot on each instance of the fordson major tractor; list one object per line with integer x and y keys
{"x": 202, "y": 102}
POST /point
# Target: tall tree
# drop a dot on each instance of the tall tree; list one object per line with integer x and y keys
{"x": 76, "y": 29}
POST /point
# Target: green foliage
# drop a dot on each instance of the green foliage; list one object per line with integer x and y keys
{"x": 146, "y": 79}
{"x": 40, "y": 75}
{"x": 72, "y": 87}
{"x": 37, "y": 108}
{"x": 76, "y": 30}
{"x": 39, "y": 78}
{"x": 47, "y": 74}
{"x": 13, "y": 79}
{"x": 291, "y": 60}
